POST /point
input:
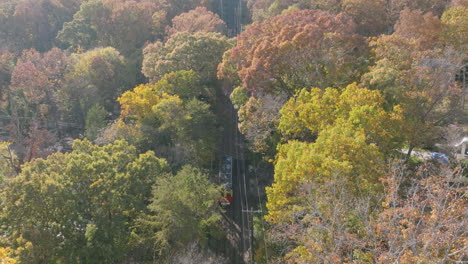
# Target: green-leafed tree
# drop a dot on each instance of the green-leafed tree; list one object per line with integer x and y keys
{"x": 98, "y": 76}
{"x": 186, "y": 84}
{"x": 239, "y": 97}
{"x": 264, "y": 9}
{"x": 96, "y": 119}
{"x": 183, "y": 209}
{"x": 200, "y": 52}
{"x": 154, "y": 117}
{"x": 124, "y": 25}
{"x": 173, "y": 8}
{"x": 8, "y": 162}
{"x": 79, "y": 207}
{"x": 6, "y": 68}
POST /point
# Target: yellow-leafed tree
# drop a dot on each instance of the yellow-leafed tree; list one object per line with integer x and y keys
{"x": 332, "y": 157}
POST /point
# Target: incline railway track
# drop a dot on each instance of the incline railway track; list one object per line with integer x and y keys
{"x": 237, "y": 217}
{"x": 235, "y": 220}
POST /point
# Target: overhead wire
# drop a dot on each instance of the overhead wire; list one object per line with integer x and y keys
{"x": 261, "y": 215}
{"x": 236, "y": 151}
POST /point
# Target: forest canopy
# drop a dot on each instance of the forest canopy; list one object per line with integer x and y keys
{"x": 240, "y": 131}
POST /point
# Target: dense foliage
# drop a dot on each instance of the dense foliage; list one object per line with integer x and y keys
{"x": 275, "y": 58}
{"x": 121, "y": 120}
{"x": 200, "y": 52}
{"x": 79, "y": 206}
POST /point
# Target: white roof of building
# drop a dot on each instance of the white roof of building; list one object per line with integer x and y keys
{"x": 464, "y": 140}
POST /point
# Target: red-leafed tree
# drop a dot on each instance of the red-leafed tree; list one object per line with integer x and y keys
{"x": 37, "y": 77}
{"x": 34, "y": 23}
{"x": 275, "y": 58}
{"x": 296, "y": 50}
{"x": 424, "y": 28}
{"x": 39, "y": 142}
{"x": 199, "y": 19}
{"x": 371, "y": 16}
{"x": 32, "y": 99}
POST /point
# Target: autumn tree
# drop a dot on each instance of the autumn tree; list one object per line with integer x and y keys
{"x": 183, "y": 210}
{"x": 364, "y": 12}
{"x": 416, "y": 70}
{"x": 155, "y": 117}
{"x": 38, "y": 77}
{"x": 200, "y": 52}
{"x": 424, "y": 216}
{"x": 454, "y": 27}
{"x": 173, "y": 8}
{"x": 79, "y": 206}
{"x": 289, "y": 52}
{"x": 335, "y": 145}
{"x": 5, "y": 256}
{"x": 435, "y": 7}
{"x": 124, "y": 25}
{"x": 423, "y": 28}
{"x": 32, "y": 101}
{"x": 197, "y": 20}
{"x": 311, "y": 120}
{"x": 264, "y": 9}
{"x": 296, "y": 50}
{"x": 186, "y": 84}
{"x": 378, "y": 17}
{"x": 6, "y": 68}
{"x": 258, "y": 121}
{"x": 337, "y": 227}
{"x": 371, "y": 16}
{"x": 9, "y": 164}
{"x": 96, "y": 120}
{"x": 98, "y": 76}
{"x": 34, "y": 24}
{"x": 132, "y": 22}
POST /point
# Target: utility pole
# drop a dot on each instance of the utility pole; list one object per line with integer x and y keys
{"x": 250, "y": 230}
{"x": 464, "y": 92}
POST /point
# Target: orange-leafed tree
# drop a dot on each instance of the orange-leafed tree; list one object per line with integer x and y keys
{"x": 199, "y": 19}
{"x": 416, "y": 68}
{"x": 275, "y": 58}
{"x": 424, "y": 216}
{"x": 296, "y": 50}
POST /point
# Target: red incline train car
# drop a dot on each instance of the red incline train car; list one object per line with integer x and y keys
{"x": 225, "y": 176}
